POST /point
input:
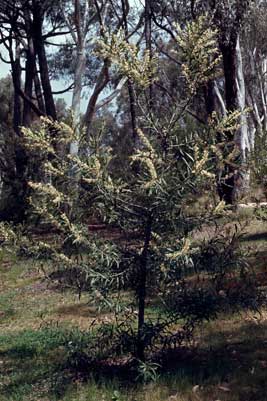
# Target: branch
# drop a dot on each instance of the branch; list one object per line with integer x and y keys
{"x": 53, "y": 34}
{"x": 113, "y": 95}
{"x": 4, "y": 60}
{"x": 64, "y": 90}
{"x": 68, "y": 23}
{"x": 220, "y": 99}
{"x": 199, "y": 119}
{"x": 160, "y": 48}
{"x": 28, "y": 100}
{"x": 101, "y": 83}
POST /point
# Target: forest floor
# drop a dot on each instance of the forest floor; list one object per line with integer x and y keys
{"x": 227, "y": 362}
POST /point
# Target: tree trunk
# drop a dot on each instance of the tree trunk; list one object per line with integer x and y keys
{"x": 39, "y": 47}
{"x": 237, "y": 180}
{"x": 16, "y": 78}
{"x": 30, "y": 71}
{"x": 77, "y": 94}
{"x": 13, "y": 197}
{"x": 226, "y": 186}
{"x": 131, "y": 92}
{"x": 29, "y": 79}
{"x": 209, "y": 98}
{"x": 148, "y": 38}
{"x": 100, "y": 85}
{"x": 38, "y": 90}
{"x": 141, "y": 292}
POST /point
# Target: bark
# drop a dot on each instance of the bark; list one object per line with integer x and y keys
{"x": 100, "y": 85}
{"x": 243, "y": 135}
{"x": 141, "y": 294}
{"x": 209, "y": 92}
{"x": 237, "y": 180}
{"x": 16, "y": 78}
{"x": 77, "y": 94}
{"x": 220, "y": 100}
{"x": 39, "y": 47}
{"x": 13, "y": 203}
{"x": 226, "y": 186}
{"x": 148, "y": 38}
{"x": 29, "y": 80}
{"x": 228, "y": 50}
{"x": 131, "y": 92}
{"x": 38, "y": 90}
{"x": 80, "y": 39}
{"x": 132, "y": 102}
{"x": 78, "y": 76}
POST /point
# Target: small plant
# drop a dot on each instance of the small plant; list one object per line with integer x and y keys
{"x": 116, "y": 396}
{"x": 148, "y": 249}
{"x": 147, "y": 371}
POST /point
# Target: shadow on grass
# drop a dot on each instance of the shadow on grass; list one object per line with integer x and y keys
{"x": 82, "y": 310}
{"x": 37, "y": 362}
{"x": 255, "y": 237}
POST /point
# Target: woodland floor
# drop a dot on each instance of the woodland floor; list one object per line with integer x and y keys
{"x": 227, "y": 362}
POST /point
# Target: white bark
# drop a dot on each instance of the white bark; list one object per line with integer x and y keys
{"x": 258, "y": 66}
{"x": 113, "y": 95}
{"x": 220, "y": 99}
{"x": 243, "y": 135}
{"x": 77, "y": 95}
{"x": 263, "y": 88}
{"x": 79, "y": 26}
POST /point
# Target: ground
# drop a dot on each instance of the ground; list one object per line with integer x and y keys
{"x": 39, "y": 322}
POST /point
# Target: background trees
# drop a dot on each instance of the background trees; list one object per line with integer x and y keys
{"x": 149, "y": 250}
{"x": 43, "y": 42}
{"x": 158, "y": 120}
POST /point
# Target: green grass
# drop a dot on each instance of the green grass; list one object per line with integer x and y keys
{"x": 38, "y": 323}
{"x": 33, "y": 366}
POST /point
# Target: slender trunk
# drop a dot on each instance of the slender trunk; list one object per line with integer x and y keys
{"x": 243, "y": 135}
{"x": 29, "y": 73}
{"x": 131, "y": 93}
{"x": 264, "y": 92}
{"x": 29, "y": 79}
{"x": 237, "y": 180}
{"x": 16, "y": 78}
{"x": 77, "y": 90}
{"x": 100, "y": 85}
{"x": 230, "y": 73}
{"x": 209, "y": 98}
{"x": 14, "y": 204}
{"x": 220, "y": 101}
{"x": 77, "y": 94}
{"x": 226, "y": 186}
{"x": 148, "y": 38}
{"x": 132, "y": 102}
{"x": 39, "y": 47}
{"x": 141, "y": 294}
{"x": 38, "y": 90}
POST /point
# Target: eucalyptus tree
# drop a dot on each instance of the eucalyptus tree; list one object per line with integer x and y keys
{"x": 225, "y": 92}
{"x": 79, "y": 17}
{"x": 254, "y": 41}
{"x": 145, "y": 203}
{"x": 24, "y": 28}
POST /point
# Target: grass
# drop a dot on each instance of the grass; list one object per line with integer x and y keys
{"x": 227, "y": 362}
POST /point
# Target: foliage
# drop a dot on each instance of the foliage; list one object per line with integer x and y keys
{"x": 148, "y": 371}
{"x": 147, "y": 212}
{"x": 149, "y": 248}
{"x": 127, "y": 59}
{"x": 258, "y": 160}
{"x": 200, "y": 55}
